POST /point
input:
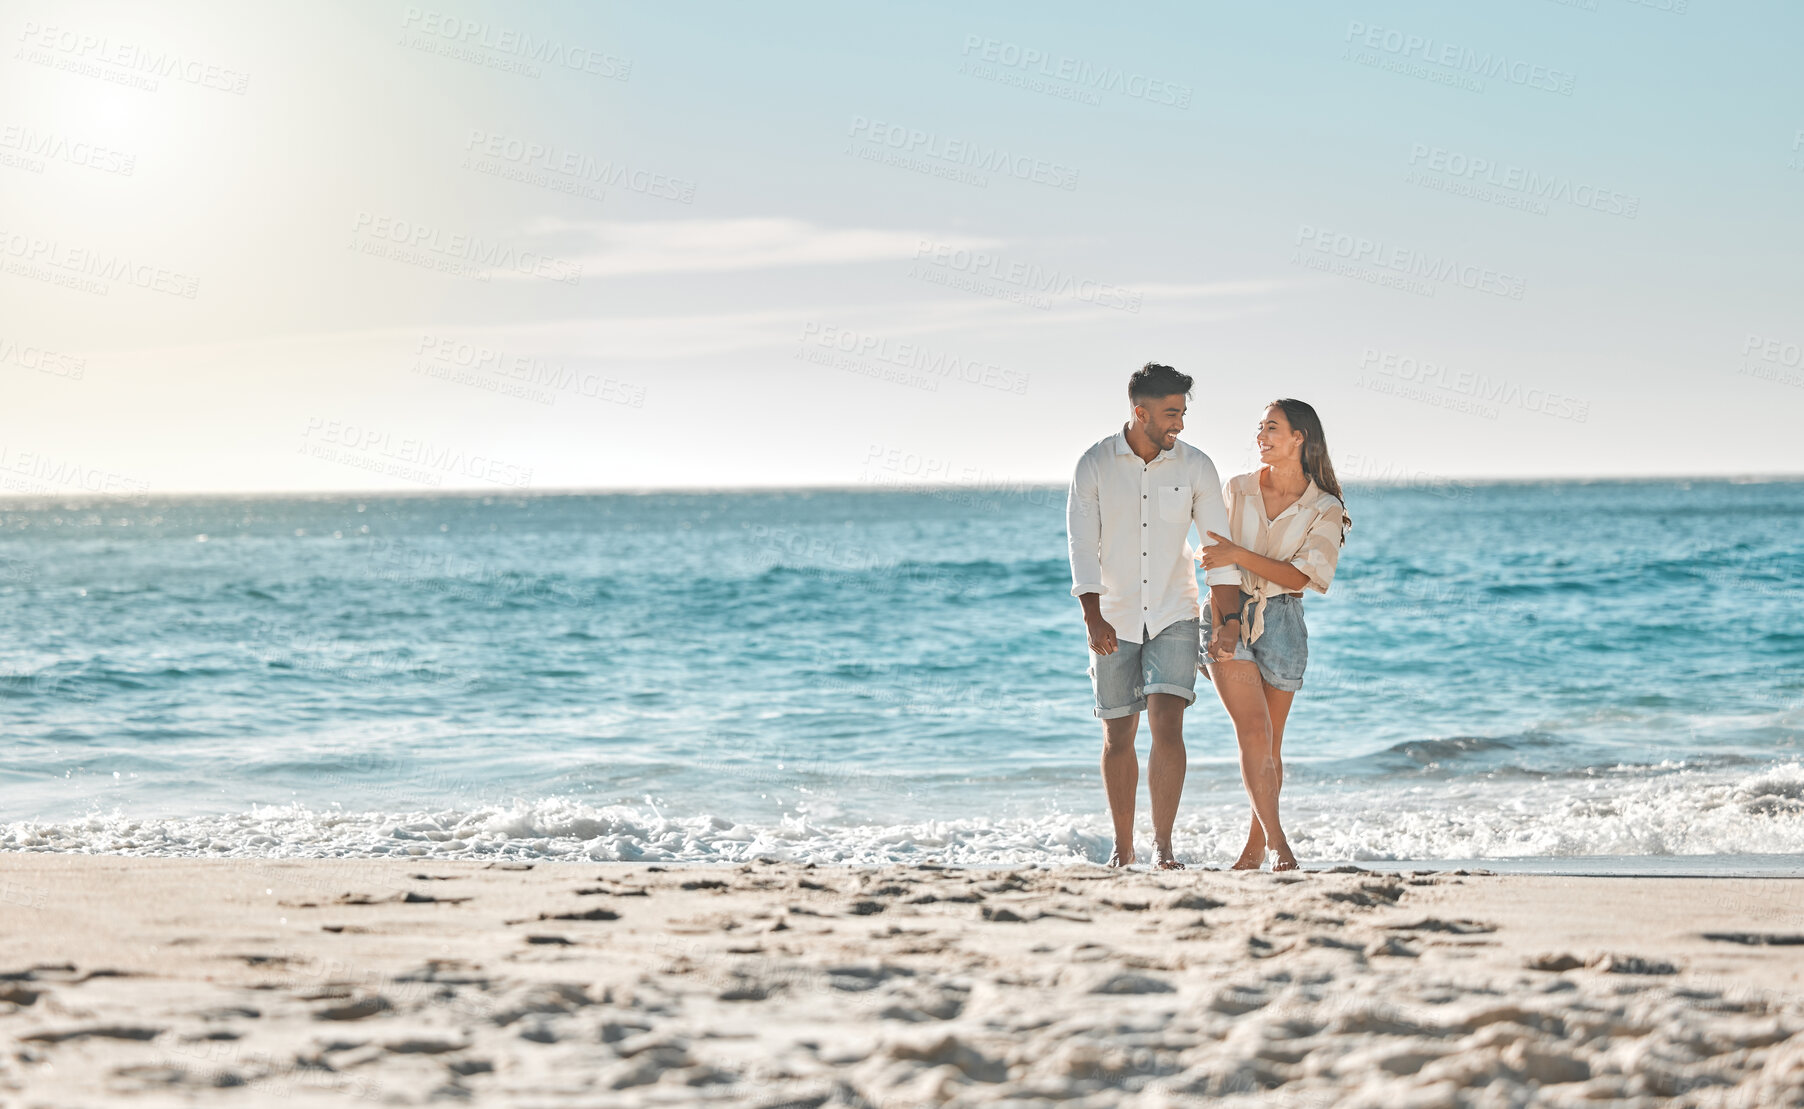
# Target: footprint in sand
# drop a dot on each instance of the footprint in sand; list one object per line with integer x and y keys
{"x": 1130, "y": 982}
{"x": 1196, "y": 902}
{"x": 1756, "y": 939}
{"x": 97, "y": 1031}
{"x": 1631, "y": 964}
{"x": 1453, "y": 927}
{"x": 355, "y": 1008}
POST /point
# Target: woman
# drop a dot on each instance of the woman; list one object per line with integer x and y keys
{"x": 1288, "y": 524}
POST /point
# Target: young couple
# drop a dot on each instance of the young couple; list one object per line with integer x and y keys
{"x": 1275, "y": 532}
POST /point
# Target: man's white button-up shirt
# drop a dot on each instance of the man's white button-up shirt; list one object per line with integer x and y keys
{"x": 1129, "y": 525}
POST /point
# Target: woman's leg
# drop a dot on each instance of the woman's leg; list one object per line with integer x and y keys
{"x": 1241, "y": 690}
{"x": 1277, "y": 708}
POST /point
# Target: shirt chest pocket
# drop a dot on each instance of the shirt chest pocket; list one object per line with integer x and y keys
{"x": 1174, "y": 503}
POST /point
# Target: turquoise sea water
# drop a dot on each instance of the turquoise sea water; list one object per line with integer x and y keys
{"x": 1548, "y": 670}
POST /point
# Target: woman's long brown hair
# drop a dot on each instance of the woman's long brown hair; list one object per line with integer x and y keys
{"x": 1316, "y": 464}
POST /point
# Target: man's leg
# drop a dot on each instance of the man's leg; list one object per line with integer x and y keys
{"x": 1170, "y": 665}
{"x": 1117, "y": 678}
{"x": 1121, "y": 781}
{"x": 1165, "y": 771}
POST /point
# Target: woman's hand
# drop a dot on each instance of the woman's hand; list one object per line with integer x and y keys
{"x": 1223, "y": 552}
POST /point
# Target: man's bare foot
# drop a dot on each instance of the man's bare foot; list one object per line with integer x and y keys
{"x": 1165, "y": 859}
{"x": 1119, "y": 858}
{"x": 1285, "y": 861}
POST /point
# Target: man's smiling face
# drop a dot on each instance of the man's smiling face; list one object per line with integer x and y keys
{"x": 1162, "y": 418}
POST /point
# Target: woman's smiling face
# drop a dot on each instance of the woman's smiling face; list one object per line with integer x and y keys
{"x": 1278, "y": 441}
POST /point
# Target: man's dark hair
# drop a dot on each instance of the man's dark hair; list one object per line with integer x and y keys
{"x": 1152, "y": 381}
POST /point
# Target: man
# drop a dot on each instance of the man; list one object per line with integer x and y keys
{"x": 1133, "y": 499}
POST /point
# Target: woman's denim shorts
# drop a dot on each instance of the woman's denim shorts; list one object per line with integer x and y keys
{"x": 1281, "y": 651}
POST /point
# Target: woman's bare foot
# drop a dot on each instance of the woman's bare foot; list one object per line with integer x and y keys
{"x": 1285, "y": 860}
{"x": 1165, "y": 860}
{"x": 1122, "y": 858}
{"x": 1252, "y": 856}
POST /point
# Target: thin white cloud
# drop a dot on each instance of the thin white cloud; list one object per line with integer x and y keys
{"x": 614, "y": 248}
{"x": 636, "y": 337}
{"x": 641, "y": 337}
{"x": 1251, "y": 287}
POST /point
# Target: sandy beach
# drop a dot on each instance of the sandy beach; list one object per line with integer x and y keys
{"x": 156, "y": 981}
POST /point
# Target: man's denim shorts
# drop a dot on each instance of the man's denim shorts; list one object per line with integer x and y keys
{"x": 1282, "y": 649}
{"x": 1166, "y": 663}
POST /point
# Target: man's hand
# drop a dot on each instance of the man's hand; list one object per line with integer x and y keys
{"x": 1222, "y": 639}
{"x": 1102, "y": 635}
{"x": 1223, "y": 552}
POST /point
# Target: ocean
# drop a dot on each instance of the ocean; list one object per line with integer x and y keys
{"x": 1535, "y": 671}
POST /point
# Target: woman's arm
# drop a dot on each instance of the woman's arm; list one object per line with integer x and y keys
{"x": 1224, "y": 552}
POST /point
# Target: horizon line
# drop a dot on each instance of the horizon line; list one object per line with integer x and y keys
{"x": 1422, "y": 481}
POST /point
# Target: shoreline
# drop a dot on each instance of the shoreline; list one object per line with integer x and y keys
{"x": 1777, "y": 865}
{"x": 136, "y": 981}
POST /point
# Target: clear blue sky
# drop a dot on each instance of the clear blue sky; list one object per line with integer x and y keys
{"x": 483, "y": 246}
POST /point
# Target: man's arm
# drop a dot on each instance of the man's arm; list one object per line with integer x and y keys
{"x": 1285, "y": 574}
{"x": 1083, "y": 528}
{"x": 1223, "y": 633}
{"x": 1101, "y": 633}
{"x": 1209, "y": 510}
